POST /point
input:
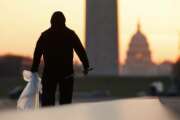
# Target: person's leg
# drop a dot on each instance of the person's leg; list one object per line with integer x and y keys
{"x": 48, "y": 89}
{"x": 66, "y": 90}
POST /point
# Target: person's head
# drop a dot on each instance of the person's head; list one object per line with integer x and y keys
{"x": 58, "y": 19}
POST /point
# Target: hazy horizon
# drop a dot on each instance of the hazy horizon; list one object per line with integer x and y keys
{"x": 23, "y": 21}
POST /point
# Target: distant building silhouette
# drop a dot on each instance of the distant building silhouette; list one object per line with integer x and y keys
{"x": 10, "y": 66}
{"x": 138, "y": 60}
{"x": 165, "y": 68}
{"x": 102, "y": 36}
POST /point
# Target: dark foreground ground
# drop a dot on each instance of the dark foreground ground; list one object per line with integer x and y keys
{"x": 107, "y": 86}
{"x": 99, "y": 98}
{"x": 143, "y": 108}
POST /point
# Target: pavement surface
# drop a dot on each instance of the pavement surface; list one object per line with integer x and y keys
{"x": 146, "y": 108}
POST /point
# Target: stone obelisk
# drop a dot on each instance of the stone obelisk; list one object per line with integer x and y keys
{"x": 102, "y": 36}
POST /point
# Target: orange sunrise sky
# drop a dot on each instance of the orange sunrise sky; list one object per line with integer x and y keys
{"x": 22, "y": 21}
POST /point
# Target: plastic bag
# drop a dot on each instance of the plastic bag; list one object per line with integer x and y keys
{"x": 29, "y": 98}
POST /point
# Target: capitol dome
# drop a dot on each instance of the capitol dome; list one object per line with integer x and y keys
{"x": 139, "y": 41}
{"x": 138, "y": 60}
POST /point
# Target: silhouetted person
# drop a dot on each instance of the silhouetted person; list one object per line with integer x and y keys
{"x": 56, "y": 45}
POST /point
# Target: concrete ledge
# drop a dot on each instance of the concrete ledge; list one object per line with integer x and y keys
{"x": 125, "y": 109}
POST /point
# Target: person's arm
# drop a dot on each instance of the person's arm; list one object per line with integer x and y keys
{"x": 79, "y": 49}
{"x": 37, "y": 55}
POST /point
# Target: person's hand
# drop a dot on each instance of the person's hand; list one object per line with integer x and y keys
{"x": 87, "y": 70}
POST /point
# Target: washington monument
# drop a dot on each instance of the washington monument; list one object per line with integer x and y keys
{"x": 102, "y": 36}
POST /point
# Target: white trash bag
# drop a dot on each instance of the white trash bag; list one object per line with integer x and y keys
{"x": 29, "y": 98}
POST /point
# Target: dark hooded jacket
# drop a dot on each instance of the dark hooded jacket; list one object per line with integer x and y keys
{"x": 56, "y": 45}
